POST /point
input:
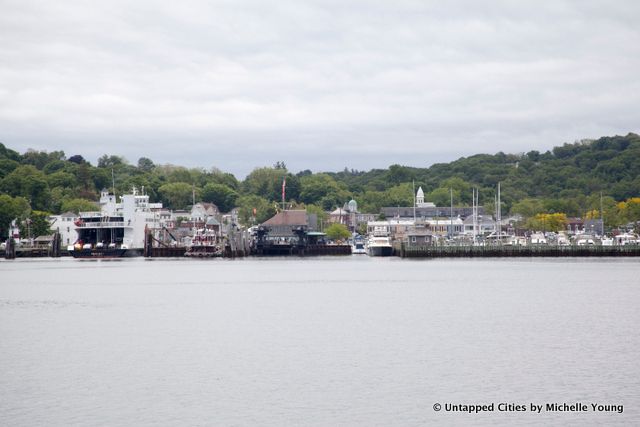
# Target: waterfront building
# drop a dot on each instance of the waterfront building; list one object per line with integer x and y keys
{"x": 484, "y": 225}
{"x": 395, "y": 228}
{"x": 400, "y": 229}
{"x": 201, "y": 211}
{"x": 64, "y": 224}
{"x": 427, "y": 210}
{"x": 574, "y": 225}
{"x": 164, "y": 218}
{"x": 286, "y": 223}
{"x": 349, "y": 216}
{"x": 445, "y": 226}
{"x": 420, "y": 235}
{"x": 595, "y": 227}
{"x": 287, "y": 232}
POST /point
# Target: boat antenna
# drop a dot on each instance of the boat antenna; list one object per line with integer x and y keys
{"x": 113, "y": 183}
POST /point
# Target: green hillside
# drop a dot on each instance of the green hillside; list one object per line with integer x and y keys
{"x": 568, "y": 179}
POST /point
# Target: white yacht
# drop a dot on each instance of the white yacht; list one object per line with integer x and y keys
{"x": 379, "y": 246}
{"x": 538, "y": 239}
{"x": 627, "y": 239}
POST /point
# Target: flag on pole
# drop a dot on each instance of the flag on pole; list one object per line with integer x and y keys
{"x": 284, "y": 184}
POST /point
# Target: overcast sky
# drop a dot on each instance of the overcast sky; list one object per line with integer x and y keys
{"x": 319, "y": 85}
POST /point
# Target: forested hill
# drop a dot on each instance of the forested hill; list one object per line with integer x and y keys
{"x": 569, "y": 173}
{"x": 567, "y": 179}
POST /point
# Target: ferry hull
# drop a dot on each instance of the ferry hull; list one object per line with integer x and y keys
{"x": 380, "y": 250}
{"x": 203, "y": 252}
{"x": 105, "y": 253}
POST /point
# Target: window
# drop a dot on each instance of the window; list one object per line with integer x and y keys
{"x": 413, "y": 239}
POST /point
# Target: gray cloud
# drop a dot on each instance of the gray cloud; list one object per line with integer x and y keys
{"x": 318, "y": 84}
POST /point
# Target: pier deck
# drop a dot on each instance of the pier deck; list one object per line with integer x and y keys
{"x": 405, "y": 251}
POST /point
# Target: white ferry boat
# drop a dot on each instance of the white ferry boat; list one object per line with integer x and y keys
{"x": 117, "y": 230}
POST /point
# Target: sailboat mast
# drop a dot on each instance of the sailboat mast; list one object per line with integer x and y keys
{"x": 499, "y": 210}
{"x": 414, "y": 202}
{"x": 601, "y": 217}
{"x": 451, "y": 211}
{"x": 473, "y": 213}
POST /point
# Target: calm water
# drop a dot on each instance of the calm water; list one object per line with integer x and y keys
{"x": 316, "y": 341}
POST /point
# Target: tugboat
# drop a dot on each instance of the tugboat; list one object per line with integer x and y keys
{"x": 204, "y": 243}
{"x": 117, "y": 230}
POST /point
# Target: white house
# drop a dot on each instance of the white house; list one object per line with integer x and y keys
{"x": 65, "y": 225}
{"x": 202, "y": 211}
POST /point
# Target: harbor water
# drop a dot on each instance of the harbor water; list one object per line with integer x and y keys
{"x": 319, "y": 341}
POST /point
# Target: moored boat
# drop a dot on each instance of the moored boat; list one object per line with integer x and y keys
{"x": 358, "y": 247}
{"x": 111, "y": 251}
{"x": 379, "y": 246}
{"x": 205, "y": 242}
{"x": 117, "y": 230}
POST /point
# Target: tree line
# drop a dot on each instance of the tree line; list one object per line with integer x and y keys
{"x": 574, "y": 179}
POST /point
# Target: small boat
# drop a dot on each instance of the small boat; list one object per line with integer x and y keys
{"x": 358, "y": 247}
{"x": 607, "y": 241}
{"x": 563, "y": 240}
{"x": 585, "y": 240}
{"x": 627, "y": 239}
{"x": 538, "y": 239}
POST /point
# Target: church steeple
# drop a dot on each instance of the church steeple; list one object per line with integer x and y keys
{"x": 419, "y": 197}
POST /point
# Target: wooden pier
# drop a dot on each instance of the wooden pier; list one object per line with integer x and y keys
{"x": 300, "y": 250}
{"x": 327, "y": 250}
{"x": 43, "y": 246}
{"x": 234, "y": 244}
{"x": 406, "y": 251}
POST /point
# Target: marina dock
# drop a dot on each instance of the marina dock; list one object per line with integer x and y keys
{"x": 496, "y": 251}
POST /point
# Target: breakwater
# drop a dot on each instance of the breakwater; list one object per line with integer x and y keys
{"x": 405, "y": 251}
